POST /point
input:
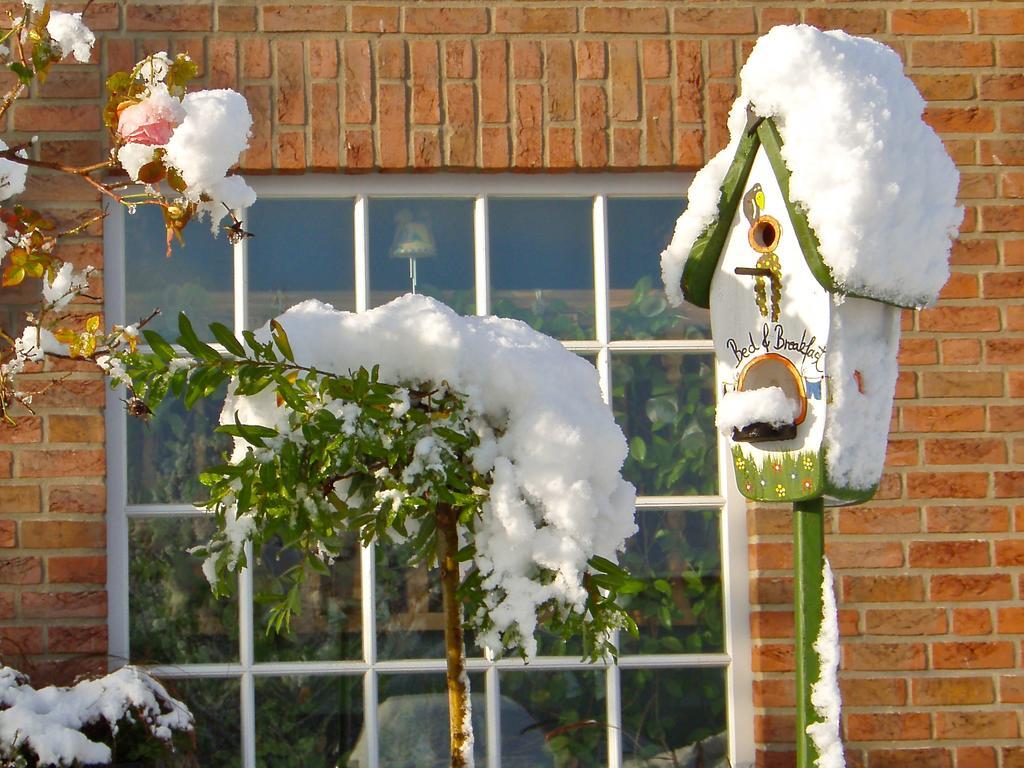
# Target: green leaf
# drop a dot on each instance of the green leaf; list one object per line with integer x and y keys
{"x": 188, "y": 339}
{"x": 281, "y": 340}
{"x": 25, "y": 74}
{"x": 160, "y": 347}
{"x": 638, "y": 448}
{"x": 251, "y": 433}
{"x": 227, "y": 339}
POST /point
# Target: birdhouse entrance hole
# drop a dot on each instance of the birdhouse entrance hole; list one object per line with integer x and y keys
{"x": 764, "y": 234}
{"x": 772, "y": 370}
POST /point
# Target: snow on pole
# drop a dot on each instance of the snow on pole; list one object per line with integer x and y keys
{"x": 825, "y": 696}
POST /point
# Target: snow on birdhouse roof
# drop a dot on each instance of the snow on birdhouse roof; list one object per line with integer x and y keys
{"x": 872, "y": 178}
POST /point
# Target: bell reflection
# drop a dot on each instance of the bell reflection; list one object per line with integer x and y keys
{"x": 413, "y": 241}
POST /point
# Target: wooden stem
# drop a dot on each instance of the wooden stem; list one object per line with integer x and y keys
{"x": 808, "y": 560}
{"x": 459, "y": 712}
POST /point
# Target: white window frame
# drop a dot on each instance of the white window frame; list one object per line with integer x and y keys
{"x": 736, "y": 658}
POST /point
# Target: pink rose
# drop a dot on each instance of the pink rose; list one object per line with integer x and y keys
{"x": 150, "y": 121}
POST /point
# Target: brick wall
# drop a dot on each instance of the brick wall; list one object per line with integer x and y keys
{"x": 930, "y": 574}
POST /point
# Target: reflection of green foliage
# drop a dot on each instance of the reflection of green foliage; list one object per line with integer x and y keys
{"x": 664, "y": 710}
{"x": 174, "y": 616}
{"x": 307, "y": 722}
{"x": 677, "y": 553}
{"x": 407, "y": 600}
{"x": 167, "y": 453}
{"x": 569, "y": 708}
{"x": 649, "y": 316}
{"x": 329, "y": 625}
{"x": 665, "y": 404}
{"x": 551, "y": 315}
{"x": 214, "y": 703}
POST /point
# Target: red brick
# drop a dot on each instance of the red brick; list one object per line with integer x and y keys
{"x": 51, "y": 117}
{"x": 963, "y": 519}
{"x": 775, "y": 693}
{"x": 880, "y": 520}
{"x": 771, "y": 556}
{"x": 256, "y": 58}
{"x": 62, "y": 534}
{"x": 323, "y": 60}
{"x": 951, "y": 53}
{"x": 561, "y": 146}
{"x": 391, "y": 57}
{"x": 972, "y": 655}
{"x": 1006, "y": 418}
{"x": 591, "y": 60}
{"x": 21, "y": 641}
{"x": 25, "y": 429}
{"x": 771, "y": 624}
{"x": 918, "y": 352}
{"x": 905, "y": 621}
{"x": 864, "y": 554}
{"x": 883, "y": 589}
{"x": 291, "y": 89}
{"x": 1009, "y": 485}
{"x": 949, "y": 554}
{"x": 594, "y": 120}
{"x": 358, "y": 88}
{"x": 965, "y": 451}
{"x": 656, "y": 57}
{"x": 458, "y": 58}
{"x": 326, "y": 132}
{"x": 945, "y": 21}
{"x": 658, "y": 114}
{"x": 943, "y": 418}
{"x": 426, "y": 88}
{"x": 445, "y": 21}
{"x": 773, "y": 657}
{"x": 87, "y": 569}
{"x": 970, "y": 587}
{"x": 773, "y": 17}
{"x": 626, "y": 147}
{"x": 714, "y": 21}
{"x": 1011, "y": 620}
{"x": 462, "y": 124}
{"x": 1011, "y": 53}
{"x": 48, "y": 463}
{"x": 952, "y": 87}
{"x": 1003, "y": 285}
{"x": 75, "y": 429}
{"x": 493, "y": 57}
{"x": 77, "y": 499}
{"x": 1011, "y": 689}
{"x": 1002, "y": 218}
{"x": 303, "y": 18}
{"x": 689, "y": 82}
{"x": 528, "y": 136}
{"x": 911, "y": 758}
{"x": 236, "y": 18}
{"x": 88, "y": 639}
{"x": 561, "y": 95}
{"x": 527, "y": 59}
{"x": 377, "y": 19}
{"x": 942, "y": 485}
{"x": 884, "y": 656}
{"x": 6, "y": 463}
{"x": 8, "y": 533}
{"x": 960, "y": 351}
{"x": 21, "y": 570}
{"x": 534, "y": 20}
{"x": 358, "y": 149}
{"x": 896, "y": 726}
{"x": 625, "y": 80}
{"x": 972, "y": 621}
{"x": 960, "y": 319}
{"x": 855, "y": 21}
{"x": 871, "y": 692}
{"x": 625, "y": 20}
{"x": 169, "y": 18}
{"x": 223, "y": 63}
{"x": 1004, "y": 21}
{"x": 1013, "y": 757}
{"x": 71, "y": 83}
{"x": 1010, "y": 552}
{"x": 976, "y": 757}
{"x": 721, "y": 58}
{"x": 64, "y": 605}
{"x": 774, "y": 728}
{"x": 494, "y": 147}
{"x": 976, "y": 725}
{"x": 19, "y": 499}
{"x": 1001, "y": 152}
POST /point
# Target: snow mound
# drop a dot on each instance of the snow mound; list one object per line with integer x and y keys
{"x": 49, "y": 721}
{"x": 825, "y": 696}
{"x": 874, "y": 179}
{"x": 769, "y": 405}
{"x": 546, "y": 435}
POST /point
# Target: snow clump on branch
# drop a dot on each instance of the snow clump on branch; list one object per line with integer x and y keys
{"x": 70, "y": 33}
{"x": 547, "y": 440}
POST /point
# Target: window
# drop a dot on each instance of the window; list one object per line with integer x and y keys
{"x": 574, "y": 256}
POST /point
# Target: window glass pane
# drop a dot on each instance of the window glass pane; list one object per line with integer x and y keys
{"x": 300, "y": 249}
{"x": 307, "y": 722}
{"x": 195, "y": 279}
{"x": 564, "y": 719}
{"x": 542, "y": 263}
{"x": 673, "y": 717}
{"x": 174, "y": 617}
{"x": 639, "y": 229}
{"x": 167, "y": 453}
{"x": 665, "y": 403}
{"x": 214, "y": 703}
{"x": 328, "y": 625}
{"x": 439, "y": 233}
{"x": 680, "y": 547}
{"x": 412, "y": 716}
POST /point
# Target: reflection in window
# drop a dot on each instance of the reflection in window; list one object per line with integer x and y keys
{"x": 665, "y": 403}
{"x": 214, "y": 703}
{"x": 639, "y": 229}
{"x": 300, "y": 249}
{"x": 306, "y": 721}
{"x": 542, "y": 263}
{"x": 196, "y": 279}
{"x": 429, "y": 240}
{"x": 175, "y": 617}
{"x": 676, "y": 552}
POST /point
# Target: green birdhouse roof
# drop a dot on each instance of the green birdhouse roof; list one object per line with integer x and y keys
{"x": 706, "y": 251}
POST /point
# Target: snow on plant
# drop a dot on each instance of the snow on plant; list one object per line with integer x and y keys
{"x": 482, "y": 444}
{"x": 159, "y": 134}
{"x": 825, "y": 696}
{"x": 69, "y": 726}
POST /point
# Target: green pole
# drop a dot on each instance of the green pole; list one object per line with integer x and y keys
{"x": 808, "y": 560}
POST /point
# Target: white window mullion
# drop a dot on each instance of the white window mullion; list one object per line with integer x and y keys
{"x": 492, "y": 690}
{"x": 361, "y": 237}
{"x": 240, "y": 256}
{"x": 600, "y": 222}
{"x": 118, "y": 552}
{"x": 368, "y": 579}
{"x": 245, "y": 653}
{"x": 481, "y": 256}
{"x": 613, "y": 705}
